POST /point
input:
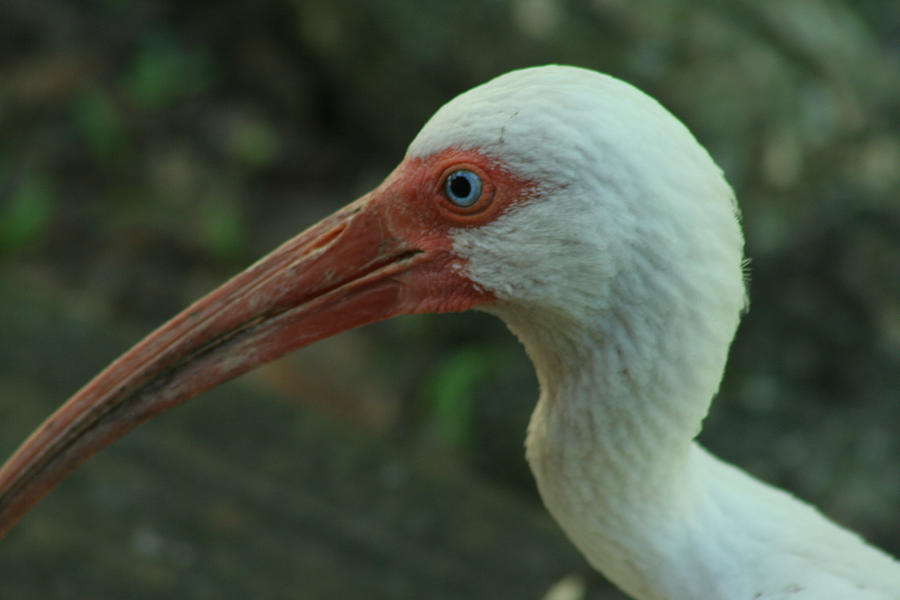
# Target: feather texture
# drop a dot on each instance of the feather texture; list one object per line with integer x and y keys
{"x": 622, "y": 274}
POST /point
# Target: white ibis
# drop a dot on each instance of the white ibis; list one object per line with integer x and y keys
{"x": 583, "y": 214}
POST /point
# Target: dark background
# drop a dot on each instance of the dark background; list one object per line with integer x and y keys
{"x": 150, "y": 150}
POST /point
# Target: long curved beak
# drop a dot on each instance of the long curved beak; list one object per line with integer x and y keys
{"x": 353, "y": 268}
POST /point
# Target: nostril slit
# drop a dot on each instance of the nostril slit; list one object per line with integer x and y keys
{"x": 328, "y": 237}
{"x": 408, "y": 255}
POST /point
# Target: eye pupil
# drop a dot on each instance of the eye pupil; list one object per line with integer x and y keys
{"x": 463, "y": 188}
{"x": 460, "y": 186}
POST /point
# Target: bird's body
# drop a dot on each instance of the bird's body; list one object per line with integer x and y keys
{"x": 583, "y": 214}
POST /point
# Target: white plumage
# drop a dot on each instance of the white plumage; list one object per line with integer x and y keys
{"x": 582, "y": 213}
{"x": 622, "y": 276}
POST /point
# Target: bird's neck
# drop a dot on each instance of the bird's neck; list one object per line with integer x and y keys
{"x": 610, "y": 441}
{"x": 611, "y": 447}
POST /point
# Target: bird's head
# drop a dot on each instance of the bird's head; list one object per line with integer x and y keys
{"x": 556, "y": 197}
{"x": 598, "y": 212}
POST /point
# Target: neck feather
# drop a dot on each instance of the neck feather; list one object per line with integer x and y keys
{"x": 611, "y": 447}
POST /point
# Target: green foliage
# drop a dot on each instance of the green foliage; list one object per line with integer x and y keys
{"x": 449, "y": 393}
{"x": 25, "y": 216}
{"x": 163, "y": 73}
{"x": 99, "y": 121}
{"x": 221, "y": 228}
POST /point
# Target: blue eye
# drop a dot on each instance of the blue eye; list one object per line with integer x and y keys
{"x": 463, "y": 188}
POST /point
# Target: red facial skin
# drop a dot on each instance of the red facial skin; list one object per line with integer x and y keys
{"x": 386, "y": 254}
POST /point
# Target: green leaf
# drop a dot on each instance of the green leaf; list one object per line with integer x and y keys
{"x": 164, "y": 73}
{"x": 450, "y": 393}
{"x": 26, "y": 215}
{"x": 101, "y": 124}
{"x": 222, "y": 230}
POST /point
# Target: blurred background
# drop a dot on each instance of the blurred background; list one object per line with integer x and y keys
{"x": 149, "y": 150}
